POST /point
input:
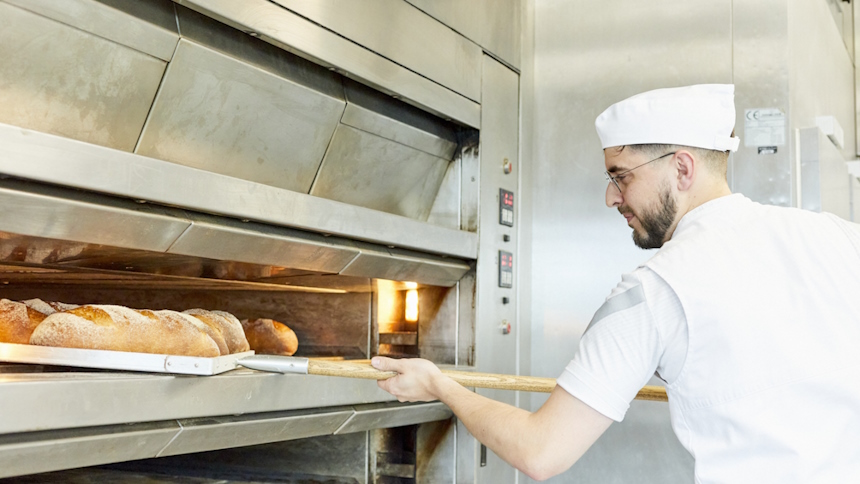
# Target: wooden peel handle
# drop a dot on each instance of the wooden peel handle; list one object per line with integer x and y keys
{"x": 364, "y": 370}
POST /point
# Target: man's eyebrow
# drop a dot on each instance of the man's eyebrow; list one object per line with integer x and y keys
{"x": 614, "y": 168}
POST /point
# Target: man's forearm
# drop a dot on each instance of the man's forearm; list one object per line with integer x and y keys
{"x": 541, "y": 444}
{"x": 512, "y": 433}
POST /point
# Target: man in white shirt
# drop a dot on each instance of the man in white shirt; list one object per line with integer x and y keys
{"x": 749, "y": 313}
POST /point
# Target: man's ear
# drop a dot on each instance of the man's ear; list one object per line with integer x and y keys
{"x": 686, "y": 166}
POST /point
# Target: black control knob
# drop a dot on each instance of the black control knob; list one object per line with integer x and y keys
{"x": 505, "y": 300}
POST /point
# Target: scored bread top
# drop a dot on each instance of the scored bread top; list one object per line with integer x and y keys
{"x": 40, "y": 306}
{"x": 213, "y": 331}
{"x": 118, "y": 328}
{"x": 48, "y": 307}
{"x": 230, "y": 327}
{"x": 17, "y": 321}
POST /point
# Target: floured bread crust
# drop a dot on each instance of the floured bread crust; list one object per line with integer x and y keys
{"x": 269, "y": 337}
{"x": 17, "y": 321}
{"x": 230, "y": 327}
{"x": 212, "y": 330}
{"x": 48, "y": 308}
{"x": 117, "y": 328}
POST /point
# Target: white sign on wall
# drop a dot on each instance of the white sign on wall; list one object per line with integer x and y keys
{"x": 764, "y": 127}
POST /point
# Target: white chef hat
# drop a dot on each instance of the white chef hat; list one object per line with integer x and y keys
{"x": 702, "y": 116}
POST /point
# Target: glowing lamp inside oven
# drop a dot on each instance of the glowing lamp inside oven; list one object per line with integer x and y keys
{"x": 411, "y": 315}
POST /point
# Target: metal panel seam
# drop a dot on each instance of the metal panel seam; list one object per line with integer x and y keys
{"x": 172, "y": 244}
{"x": 327, "y": 146}
{"x": 347, "y": 421}
{"x": 157, "y": 91}
{"x": 168, "y": 444}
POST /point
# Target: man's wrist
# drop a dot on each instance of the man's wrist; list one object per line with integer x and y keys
{"x": 442, "y": 386}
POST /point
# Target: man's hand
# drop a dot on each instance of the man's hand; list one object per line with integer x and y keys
{"x": 417, "y": 380}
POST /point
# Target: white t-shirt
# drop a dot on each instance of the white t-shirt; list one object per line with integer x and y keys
{"x": 640, "y": 329}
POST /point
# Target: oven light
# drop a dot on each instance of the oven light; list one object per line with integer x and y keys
{"x": 412, "y": 305}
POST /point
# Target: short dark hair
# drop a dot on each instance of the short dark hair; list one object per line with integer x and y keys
{"x": 716, "y": 161}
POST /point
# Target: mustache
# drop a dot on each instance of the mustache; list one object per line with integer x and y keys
{"x": 625, "y": 210}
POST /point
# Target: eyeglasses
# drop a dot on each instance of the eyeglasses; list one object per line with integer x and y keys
{"x": 614, "y": 178}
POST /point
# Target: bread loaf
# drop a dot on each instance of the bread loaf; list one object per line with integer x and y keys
{"x": 268, "y": 337}
{"x": 213, "y": 331}
{"x": 17, "y": 321}
{"x": 227, "y": 324}
{"x": 117, "y": 328}
{"x": 48, "y": 308}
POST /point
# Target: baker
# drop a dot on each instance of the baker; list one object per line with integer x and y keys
{"x": 750, "y": 314}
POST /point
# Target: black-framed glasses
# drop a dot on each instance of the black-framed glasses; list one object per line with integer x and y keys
{"x": 614, "y": 178}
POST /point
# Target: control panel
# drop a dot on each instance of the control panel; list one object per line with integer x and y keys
{"x": 506, "y": 207}
{"x": 506, "y": 269}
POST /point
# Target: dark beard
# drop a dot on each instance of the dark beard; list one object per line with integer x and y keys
{"x": 657, "y": 224}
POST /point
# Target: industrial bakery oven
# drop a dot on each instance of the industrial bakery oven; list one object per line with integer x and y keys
{"x": 269, "y": 160}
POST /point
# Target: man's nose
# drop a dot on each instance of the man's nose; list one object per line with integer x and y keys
{"x": 613, "y": 196}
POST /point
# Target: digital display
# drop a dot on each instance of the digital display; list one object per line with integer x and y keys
{"x": 506, "y": 269}
{"x": 506, "y": 207}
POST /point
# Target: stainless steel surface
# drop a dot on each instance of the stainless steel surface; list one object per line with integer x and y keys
{"x": 65, "y": 449}
{"x": 786, "y": 55}
{"x": 369, "y": 171}
{"x": 61, "y": 80}
{"x": 587, "y": 57}
{"x": 48, "y": 214}
{"x": 275, "y": 364}
{"x": 388, "y": 416}
{"x": 119, "y": 360}
{"x": 205, "y": 434}
{"x": 824, "y": 181}
{"x": 437, "y": 324}
{"x": 402, "y": 265}
{"x": 41, "y": 157}
{"x": 761, "y": 75}
{"x": 821, "y": 75}
{"x": 493, "y": 24}
{"x": 54, "y": 229}
{"x": 152, "y": 31}
{"x": 280, "y": 27}
{"x": 384, "y": 127}
{"x": 445, "y": 211}
{"x": 436, "y": 446}
{"x": 494, "y": 351}
{"x": 259, "y": 244}
{"x": 129, "y": 398}
{"x": 400, "y": 32}
{"x": 332, "y": 459}
{"x": 221, "y": 115}
{"x": 466, "y": 320}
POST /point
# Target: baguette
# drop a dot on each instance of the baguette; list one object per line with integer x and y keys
{"x": 48, "y": 308}
{"x": 230, "y": 327}
{"x": 213, "y": 331}
{"x": 117, "y": 328}
{"x": 17, "y": 321}
{"x": 269, "y": 337}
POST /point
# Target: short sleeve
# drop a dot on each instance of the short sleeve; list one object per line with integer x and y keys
{"x": 624, "y": 344}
